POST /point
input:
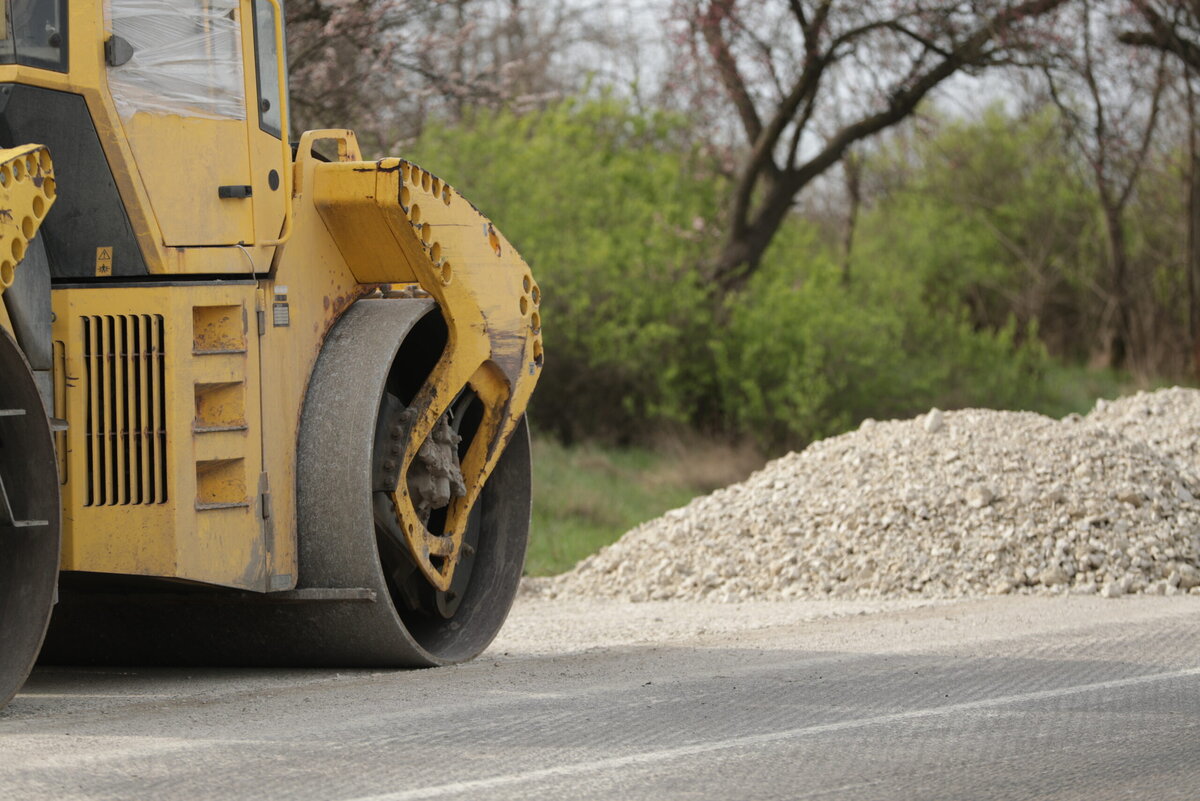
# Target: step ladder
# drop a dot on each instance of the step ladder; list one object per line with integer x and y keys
{"x": 7, "y": 517}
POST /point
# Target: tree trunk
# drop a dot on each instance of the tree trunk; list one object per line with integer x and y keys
{"x": 743, "y": 251}
{"x": 1193, "y": 238}
{"x": 1119, "y": 351}
{"x": 853, "y": 171}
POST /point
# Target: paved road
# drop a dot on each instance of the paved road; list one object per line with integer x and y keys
{"x": 1063, "y": 698}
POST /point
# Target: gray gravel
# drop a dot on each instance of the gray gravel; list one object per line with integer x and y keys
{"x": 946, "y": 505}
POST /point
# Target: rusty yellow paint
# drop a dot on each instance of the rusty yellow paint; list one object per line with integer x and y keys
{"x": 271, "y": 158}
{"x": 182, "y": 190}
{"x": 395, "y": 222}
{"x": 167, "y": 168}
{"x": 164, "y": 444}
{"x": 221, "y": 407}
{"x": 219, "y": 329}
{"x": 60, "y": 409}
{"x": 27, "y": 191}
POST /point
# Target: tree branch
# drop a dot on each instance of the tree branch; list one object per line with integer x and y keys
{"x": 710, "y": 28}
{"x": 1164, "y": 35}
{"x": 905, "y": 100}
{"x": 1148, "y": 132}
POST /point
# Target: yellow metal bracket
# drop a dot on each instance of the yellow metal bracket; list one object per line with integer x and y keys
{"x": 27, "y": 190}
{"x": 395, "y": 222}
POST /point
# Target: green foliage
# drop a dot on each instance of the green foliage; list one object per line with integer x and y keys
{"x": 609, "y": 208}
{"x": 805, "y": 359}
{"x": 993, "y": 216}
{"x": 979, "y": 253}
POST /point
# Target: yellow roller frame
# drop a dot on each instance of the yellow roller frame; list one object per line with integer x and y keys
{"x": 395, "y": 222}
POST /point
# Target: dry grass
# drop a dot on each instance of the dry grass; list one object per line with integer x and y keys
{"x": 587, "y": 496}
{"x": 704, "y": 465}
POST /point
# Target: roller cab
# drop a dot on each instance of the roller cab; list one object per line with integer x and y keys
{"x": 283, "y": 386}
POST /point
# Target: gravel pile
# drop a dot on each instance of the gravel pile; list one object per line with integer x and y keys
{"x": 1168, "y": 421}
{"x": 944, "y": 505}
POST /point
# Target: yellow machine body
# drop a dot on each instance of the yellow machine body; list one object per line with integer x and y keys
{"x": 182, "y": 379}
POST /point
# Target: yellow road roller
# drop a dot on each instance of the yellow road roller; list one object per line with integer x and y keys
{"x": 261, "y": 402}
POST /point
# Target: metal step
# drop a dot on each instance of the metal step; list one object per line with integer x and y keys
{"x": 7, "y": 518}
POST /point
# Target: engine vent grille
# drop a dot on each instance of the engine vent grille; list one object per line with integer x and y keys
{"x": 126, "y": 409}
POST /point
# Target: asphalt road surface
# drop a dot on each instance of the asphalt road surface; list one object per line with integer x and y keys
{"x": 1008, "y": 698}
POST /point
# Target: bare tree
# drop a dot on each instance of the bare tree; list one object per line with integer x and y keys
{"x": 852, "y": 173}
{"x": 1109, "y": 98}
{"x": 337, "y": 54}
{"x": 383, "y": 66}
{"x": 785, "y": 67}
{"x": 1174, "y": 28}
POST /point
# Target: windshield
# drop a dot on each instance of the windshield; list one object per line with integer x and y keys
{"x": 34, "y": 32}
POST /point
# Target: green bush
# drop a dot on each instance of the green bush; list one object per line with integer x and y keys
{"x": 805, "y": 359}
{"x": 992, "y": 216}
{"x": 611, "y": 209}
{"x": 977, "y": 238}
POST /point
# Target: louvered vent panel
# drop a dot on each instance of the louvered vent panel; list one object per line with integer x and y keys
{"x": 126, "y": 409}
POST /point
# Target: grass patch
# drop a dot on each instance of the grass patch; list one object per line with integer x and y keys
{"x": 587, "y": 496}
{"x": 1074, "y": 389}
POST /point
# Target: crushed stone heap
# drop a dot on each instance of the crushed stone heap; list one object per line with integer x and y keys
{"x": 944, "y": 505}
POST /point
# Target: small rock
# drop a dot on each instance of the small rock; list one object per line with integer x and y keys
{"x": 1100, "y": 504}
{"x": 979, "y": 496}
{"x": 1053, "y": 576}
{"x": 1113, "y": 589}
{"x": 1130, "y": 496}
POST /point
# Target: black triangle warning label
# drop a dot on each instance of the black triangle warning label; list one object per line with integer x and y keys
{"x": 104, "y": 261}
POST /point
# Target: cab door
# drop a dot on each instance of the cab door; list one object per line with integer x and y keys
{"x": 177, "y": 77}
{"x": 266, "y": 116}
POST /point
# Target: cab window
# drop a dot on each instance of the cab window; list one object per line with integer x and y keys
{"x": 186, "y": 58}
{"x": 34, "y": 32}
{"x": 266, "y": 55}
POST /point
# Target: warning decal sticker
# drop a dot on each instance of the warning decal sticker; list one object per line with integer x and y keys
{"x": 104, "y": 262}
